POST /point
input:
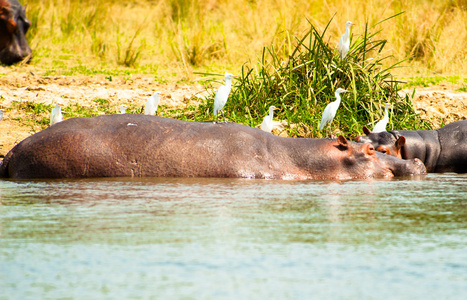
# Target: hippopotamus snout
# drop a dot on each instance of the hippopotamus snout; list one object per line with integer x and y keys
{"x": 16, "y": 53}
{"x": 401, "y": 167}
{"x": 411, "y": 167}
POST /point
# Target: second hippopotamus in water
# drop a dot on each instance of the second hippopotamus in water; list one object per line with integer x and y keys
{"x": 139, "y": 145}
{"x": 441, "y": 150}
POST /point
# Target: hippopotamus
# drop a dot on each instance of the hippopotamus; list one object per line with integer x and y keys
{"x": 143, "y": 145}
{"x": 14, "y": 46}
{"x": 441, "y": 150}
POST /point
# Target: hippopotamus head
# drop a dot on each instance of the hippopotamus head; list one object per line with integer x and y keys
{"x": 361, "y": 158}
{"x": 387, "y": 142}
{"x": 13, "y": 27}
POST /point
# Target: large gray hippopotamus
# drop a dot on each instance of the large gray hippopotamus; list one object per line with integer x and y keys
{"x": 140, "y": 145}
{"x": 441, "y": 150}
{"x": 13, "y": 27}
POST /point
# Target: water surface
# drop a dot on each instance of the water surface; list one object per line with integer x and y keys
{"x": 155, "y": 238}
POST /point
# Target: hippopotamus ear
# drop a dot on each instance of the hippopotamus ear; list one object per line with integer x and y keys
{"x": 366, "y": 131}
{"x": 400, "y": 142}
{"x": 342, "y": 141}
{"x": 11, "y": 25}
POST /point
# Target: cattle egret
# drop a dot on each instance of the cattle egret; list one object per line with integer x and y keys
{"x": 1, "y": 114}
{"x": 331, "y": 109}
{"x": 222, "y": 95}
{"x": 267, "y": 121}
{"x": 151, "y": 105}
{"x": 344, "y": 42}
{"x": 381, "y": 125}
{"x": 122, "y": 109}
{"x": 56, "y": 115}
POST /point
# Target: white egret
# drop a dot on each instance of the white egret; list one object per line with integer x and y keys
{"x": 222, "y": 95}
{"x": 344, "y": 42}
{"x": 331, "y": 109}
{"x": 56, "y": 115}
{"x": 122, "y": 109}
{"x": 381, "y": 125}
{"x": 151, "y": 105}
{"x": 267, "y": 121}
{"x": 1, "y": 114}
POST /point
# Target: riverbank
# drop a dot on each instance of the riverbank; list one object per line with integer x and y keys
{"x": 440, "y": 104}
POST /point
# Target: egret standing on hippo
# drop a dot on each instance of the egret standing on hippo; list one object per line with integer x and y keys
{"x": 222, "y": 95}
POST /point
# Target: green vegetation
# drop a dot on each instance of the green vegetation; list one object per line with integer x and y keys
{"x": 173, "y": 40}
{"x": 300, "y": 77}
{"x": 304, "y": 82}
{"x": 436, "y": 80}
{"x": 37, "y": 115}
{"x": 433, "y": 80}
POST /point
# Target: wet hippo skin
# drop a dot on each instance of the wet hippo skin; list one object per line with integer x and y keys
{"x": 139, "y": 145}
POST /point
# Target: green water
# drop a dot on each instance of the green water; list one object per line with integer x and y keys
{"x": 234, "y": 239}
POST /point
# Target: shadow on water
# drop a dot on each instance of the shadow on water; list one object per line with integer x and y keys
{"x": 237, "y": 236}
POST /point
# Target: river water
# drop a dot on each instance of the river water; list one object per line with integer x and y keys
{"x": 150, "y": 238}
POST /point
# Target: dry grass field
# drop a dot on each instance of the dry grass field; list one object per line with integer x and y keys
{"x": 174, "y": 38}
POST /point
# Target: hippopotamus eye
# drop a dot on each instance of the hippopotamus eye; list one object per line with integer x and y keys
{"x": 382, "y": 149}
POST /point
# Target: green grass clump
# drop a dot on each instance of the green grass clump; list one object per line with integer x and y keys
{"x": 303, "y": 80}
{"x": 432, "y": 80}
{"x": 37, "y": 115}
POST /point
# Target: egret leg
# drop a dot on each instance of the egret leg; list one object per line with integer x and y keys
{"x": 330, "y": 130}
{"x": 222, "y": 111}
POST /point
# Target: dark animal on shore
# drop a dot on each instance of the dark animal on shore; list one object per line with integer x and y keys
{"x": 441, "y": 150}
{"x": 141, "y": 145}
{"x": 14, "y": 46}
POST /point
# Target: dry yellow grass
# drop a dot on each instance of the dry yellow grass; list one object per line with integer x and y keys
{"x": 174, "y": 38}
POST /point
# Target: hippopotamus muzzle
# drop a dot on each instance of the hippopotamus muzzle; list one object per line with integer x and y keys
{"x": 402, "y": 167}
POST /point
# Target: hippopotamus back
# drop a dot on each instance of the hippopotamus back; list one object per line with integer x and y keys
{"x": 140, "y": 145}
